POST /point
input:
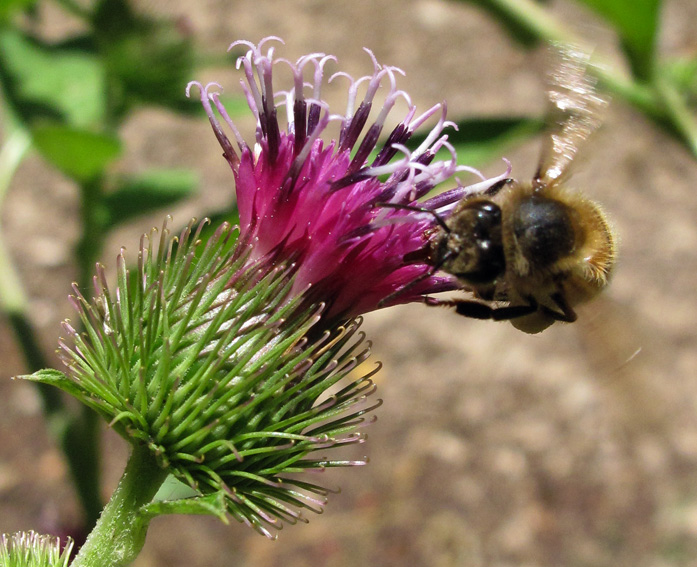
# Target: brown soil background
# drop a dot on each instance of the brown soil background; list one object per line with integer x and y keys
{"x": 492, "y": 448}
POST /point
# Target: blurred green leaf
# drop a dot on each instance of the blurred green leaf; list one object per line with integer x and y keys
{"x": 636, "y": 21}
{"x": 481, "y": 140}
{"x": 8, "y": 7}
{"x": 63, "y": 82}
{"x": 79, "y": 154}
{"x": 235, "y": 105}
{"x": 149, "y": 61}
{"x": 147, "y": 192}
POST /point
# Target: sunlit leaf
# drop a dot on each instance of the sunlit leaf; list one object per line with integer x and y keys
{"x": 65, "y": 83}
{"x": 636, "y": 21}
{"x": 80, "y": 154}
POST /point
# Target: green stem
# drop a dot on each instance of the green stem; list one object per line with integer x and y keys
{"x": 120, "y": 532}
{"x": 681, "y": 117}
{"x": 81, "y": 442}
{"x": 655, "y": 100}
{"x": 537, "y": 20}
{"x": 75, "y": 429}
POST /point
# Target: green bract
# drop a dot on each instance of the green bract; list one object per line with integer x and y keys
{"x": 203, "y": 357}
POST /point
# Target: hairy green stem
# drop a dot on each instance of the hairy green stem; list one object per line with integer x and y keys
{"x": 120, "y": 532}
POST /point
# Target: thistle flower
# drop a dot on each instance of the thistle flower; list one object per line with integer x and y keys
{"x": 29, "y": 549}
{"x": 318, "y": 204}
{"x": 228, "y": 363}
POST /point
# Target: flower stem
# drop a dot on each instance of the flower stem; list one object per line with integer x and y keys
{"x": 120, "y": 532}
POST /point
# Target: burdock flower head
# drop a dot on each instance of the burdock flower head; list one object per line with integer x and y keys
{"x": 322, "y": 205}
{"x": 29, "y": 549}
{"x": 227, "y": 362}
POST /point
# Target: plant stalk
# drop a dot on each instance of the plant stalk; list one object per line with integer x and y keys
{"x": 656, "y": 99}
{"x": 120, "y": 532}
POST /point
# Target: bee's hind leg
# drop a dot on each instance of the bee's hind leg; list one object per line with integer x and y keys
{"x": 568, "y": 315}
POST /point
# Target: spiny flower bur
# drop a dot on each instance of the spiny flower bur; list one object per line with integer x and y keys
{"x": 232, "y": 360}
{"x": 204, "y": 358}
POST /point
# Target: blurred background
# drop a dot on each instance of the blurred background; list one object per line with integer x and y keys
{"x": 575, "y": 447}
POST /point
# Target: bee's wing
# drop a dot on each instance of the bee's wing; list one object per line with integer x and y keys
{"x": 576, "y": 110}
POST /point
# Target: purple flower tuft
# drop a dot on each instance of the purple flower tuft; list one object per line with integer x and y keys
{"x": 320, "y": 205}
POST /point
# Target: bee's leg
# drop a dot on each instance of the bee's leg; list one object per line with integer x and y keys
{"x": 427, "y": 274}
{"x": 477, "y": 310}
{"x": 568, "y": 315}
{"x": 420, "y": 256}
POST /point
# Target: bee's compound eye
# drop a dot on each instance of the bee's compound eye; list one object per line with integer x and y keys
{"x": 487, "y": 210}
{"x": 544, "y": 230}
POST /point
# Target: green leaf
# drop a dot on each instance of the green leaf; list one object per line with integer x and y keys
{"x": 55, "y": 378}
{"x": 636, "y": 22}
{"x": 149, "y": 191}
{"x": 481, "y": 140}
{"x": 63, "y": 82}
{"x": 174, "y": 489}
{"x": 79, "y": 154}
{"x": 209, "y": 505}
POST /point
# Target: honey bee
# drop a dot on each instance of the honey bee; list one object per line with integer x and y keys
{"x": 536, "y": 246}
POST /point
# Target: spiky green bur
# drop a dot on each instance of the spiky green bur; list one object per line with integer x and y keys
{"x": 204, "y": 357}
{"x": 29, "y": 549}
